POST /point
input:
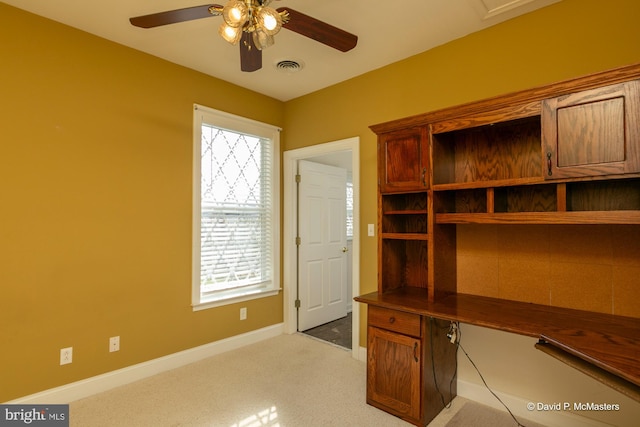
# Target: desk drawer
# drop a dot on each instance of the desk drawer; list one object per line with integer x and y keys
{"x": 393, "y": 320}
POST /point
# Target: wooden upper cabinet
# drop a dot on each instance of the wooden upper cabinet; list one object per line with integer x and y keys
{"x": 403, "y": 159}
{"x": 592, "y": 132}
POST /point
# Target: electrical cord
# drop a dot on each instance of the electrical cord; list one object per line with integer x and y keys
{"x": 433, "y": 367}
{"x": 458, "y": 337}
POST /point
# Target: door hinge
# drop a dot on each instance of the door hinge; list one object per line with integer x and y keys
{"x": 298, "y": 241}
{"x": 298, "y": 178}
{"x": 297, "y": 303}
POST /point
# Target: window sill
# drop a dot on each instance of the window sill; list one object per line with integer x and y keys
{"x": 212, "y": 303}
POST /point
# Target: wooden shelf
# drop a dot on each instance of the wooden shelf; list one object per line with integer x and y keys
{"x": 405, "y": 236}
{"x": 607, "y": 341}
{"x": 406, "y": 212}
{"x": 488, "y": 184}
{"x": 578, "y": 217}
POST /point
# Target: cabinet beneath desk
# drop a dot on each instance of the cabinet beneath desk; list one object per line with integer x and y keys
{"x": 411, "y": 365}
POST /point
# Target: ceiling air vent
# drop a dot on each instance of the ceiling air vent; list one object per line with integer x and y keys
{"x": 289, "y": 66}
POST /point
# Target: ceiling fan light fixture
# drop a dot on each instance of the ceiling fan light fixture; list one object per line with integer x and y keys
{"x": 235, "y": 13}
{"x": 269, "y": 20}
{"x": 252, "y": 24}
{"x": 262, "y": 40}
{"x": 229, "y": 33}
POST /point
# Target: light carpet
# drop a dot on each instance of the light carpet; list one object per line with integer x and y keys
{"x": 472, "y": 414}
{"x": 289, "y": 380}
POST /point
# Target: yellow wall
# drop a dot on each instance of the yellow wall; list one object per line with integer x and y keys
{"x": 95, "y": 205}
{"x": 95, "y": 172}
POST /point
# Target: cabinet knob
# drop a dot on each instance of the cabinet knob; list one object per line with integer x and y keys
{"x": 392, "y": 320}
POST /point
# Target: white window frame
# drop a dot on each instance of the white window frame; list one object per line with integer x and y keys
{"x": 205, "y": 115}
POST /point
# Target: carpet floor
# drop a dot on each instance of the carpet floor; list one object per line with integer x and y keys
{"x": 290, "y": 380}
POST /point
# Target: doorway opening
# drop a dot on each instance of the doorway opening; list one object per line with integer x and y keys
{"x": 343, "y": 153}
{"x": 337, "y": 332}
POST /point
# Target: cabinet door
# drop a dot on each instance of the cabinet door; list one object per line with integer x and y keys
{"x": 592, "y": 133}
{"x": 403, "y": 159}
{"x": 393, "y": 373}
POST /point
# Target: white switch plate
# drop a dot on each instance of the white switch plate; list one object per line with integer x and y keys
{"x": 114, "y": 344}
{"x": 243, "y": 313}
{"x": 371, "y": 231}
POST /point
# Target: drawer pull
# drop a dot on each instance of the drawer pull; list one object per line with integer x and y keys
{"x": 415, "y": 351}
{"x": 392, "y": 320}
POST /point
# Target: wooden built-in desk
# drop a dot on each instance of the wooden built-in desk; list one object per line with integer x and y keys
{"x": 604, "y": 346}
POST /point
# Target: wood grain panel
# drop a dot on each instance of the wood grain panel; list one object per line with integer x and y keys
{"x": 403, "y": 160}
{"x": 533, "y": 198}
{"x": 393, "y": 373}
{"x": 592, "y": 132}
{"x": 597, "y": 144}
{"x": 587, "y": 217}
{"x": 404, "y": 263}
{"x": 503, "y": 151}
{"x": 395, "y": 321}
{"x": 604, "y": 195}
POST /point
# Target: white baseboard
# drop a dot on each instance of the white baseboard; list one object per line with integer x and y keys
{"x": 362, "y": 354}
{"x": 90, "y": 386}
{"x": 518, "y": 406}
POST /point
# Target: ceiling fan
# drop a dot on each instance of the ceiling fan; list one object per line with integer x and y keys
{"x": 252, "y": 24}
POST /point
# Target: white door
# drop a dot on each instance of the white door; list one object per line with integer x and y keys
{"x": 322, "y": 257}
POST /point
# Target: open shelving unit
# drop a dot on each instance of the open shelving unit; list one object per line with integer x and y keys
{"x": 566, "y": 153}
{"x": 404, "y": 238}
{"x": 590, "y": 202}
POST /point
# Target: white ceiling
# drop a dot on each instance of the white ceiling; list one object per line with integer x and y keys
{"x": 384, "y": 35}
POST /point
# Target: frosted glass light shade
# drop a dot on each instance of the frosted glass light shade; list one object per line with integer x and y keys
{"x": 235, "y": 13}
{"x": 262, "y": 40}
{"x": 269, "y": 20}
{"x": 229, "y": 33}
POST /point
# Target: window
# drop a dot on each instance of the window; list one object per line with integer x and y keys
{"x": 235, "y": 209}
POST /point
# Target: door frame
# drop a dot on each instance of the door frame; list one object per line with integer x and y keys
{"x": 290, "y": 160}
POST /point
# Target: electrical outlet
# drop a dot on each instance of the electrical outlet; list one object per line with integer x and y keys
{"x": 114, "y": 344}
{"x": 243, "y": 313}
{"x": 371, "y": 231}
{"x": 66, "y": 355}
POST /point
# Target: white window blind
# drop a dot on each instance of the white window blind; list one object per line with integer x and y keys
{"x": 237, "y": 208}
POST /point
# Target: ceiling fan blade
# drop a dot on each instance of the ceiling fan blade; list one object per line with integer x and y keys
{"x": 250, "y": 55}
{"x": 175, "y": 16}
{"x": 319, "y": 31}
